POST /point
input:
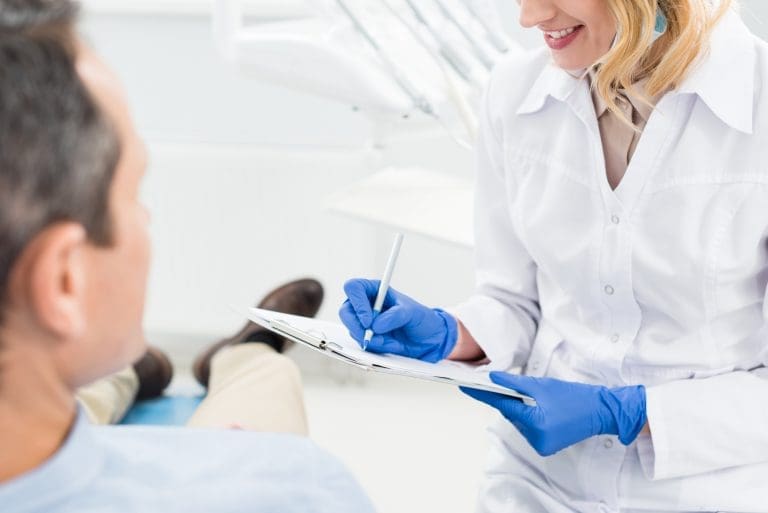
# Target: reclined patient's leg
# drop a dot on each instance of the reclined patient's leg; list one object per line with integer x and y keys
{"x": 107, "y": 400}
{"x": 255, "y": 388}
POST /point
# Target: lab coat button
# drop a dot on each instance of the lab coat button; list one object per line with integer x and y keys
{"x": 615, "y": 338}
{"x": 609, "y": 290}
{"x": 615, "y": 219}
{"x": 608, "y": 444}
{"x": 535, "y": 366}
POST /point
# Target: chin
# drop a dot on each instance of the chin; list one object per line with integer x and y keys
{"x": 82, "y": 362}
{"x": 571, "y": 65}
{"x": 125, "y": 353}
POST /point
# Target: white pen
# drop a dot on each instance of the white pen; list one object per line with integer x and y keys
{"x": 384, "y": 285}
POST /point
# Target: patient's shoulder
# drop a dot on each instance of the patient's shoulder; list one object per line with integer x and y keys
{"x": 258, "y": 471}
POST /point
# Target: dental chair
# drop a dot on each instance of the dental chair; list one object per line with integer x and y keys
{"x": 166, "y": 411}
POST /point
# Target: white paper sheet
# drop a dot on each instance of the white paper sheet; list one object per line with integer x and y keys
{"x": 333, "y": 340}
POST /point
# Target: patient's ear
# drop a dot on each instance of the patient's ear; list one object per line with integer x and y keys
{"x": 50, "y": 278}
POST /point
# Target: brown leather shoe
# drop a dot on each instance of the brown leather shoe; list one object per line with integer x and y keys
{"x": 154, "y": 371}
{"x": 301, "y": 297}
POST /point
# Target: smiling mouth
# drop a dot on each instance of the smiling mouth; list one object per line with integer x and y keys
{"x": 560, "y": 34}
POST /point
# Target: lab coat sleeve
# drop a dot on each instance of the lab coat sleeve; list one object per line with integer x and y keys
{"x": 503, "y": 314}
{"x": 709, "y": 424}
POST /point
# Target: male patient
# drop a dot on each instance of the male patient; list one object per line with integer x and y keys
{"x": 74, "y": 254}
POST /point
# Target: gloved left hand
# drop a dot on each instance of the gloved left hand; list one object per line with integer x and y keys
{"x": 566, "y": 413}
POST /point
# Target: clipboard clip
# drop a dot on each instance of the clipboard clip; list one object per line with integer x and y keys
{"x": 314, "y": 338}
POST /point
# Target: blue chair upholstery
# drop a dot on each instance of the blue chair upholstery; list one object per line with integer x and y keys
{"x": 165, "y": 411}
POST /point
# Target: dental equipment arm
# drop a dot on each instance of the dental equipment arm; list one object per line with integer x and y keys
{"x": 478, "y": 50}
{"x": 446, "y": 49}
{"x": 419, "y": 100}
{"x": 497, "y": 39}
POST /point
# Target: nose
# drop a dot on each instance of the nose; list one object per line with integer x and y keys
{"x": 536, "y": 12}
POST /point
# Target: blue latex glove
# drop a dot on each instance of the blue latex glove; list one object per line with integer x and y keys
{"x": 403, "y": 327}
{"x": 567, "y": 413}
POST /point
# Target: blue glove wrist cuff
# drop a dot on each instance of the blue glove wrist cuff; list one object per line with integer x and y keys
{"x": 451, "y": 332}
{"x": 627, "y": 409}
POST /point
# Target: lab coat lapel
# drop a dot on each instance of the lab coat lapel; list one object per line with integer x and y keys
{"x": 580, "y": 102}
{"x": 654, "y": 143}
{"x": 557, "y": 84}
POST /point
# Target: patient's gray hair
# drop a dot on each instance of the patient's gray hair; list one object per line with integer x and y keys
{"x": 58, "y": 151}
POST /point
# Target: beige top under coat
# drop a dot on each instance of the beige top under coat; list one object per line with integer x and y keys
{"x": 619, "y": 140}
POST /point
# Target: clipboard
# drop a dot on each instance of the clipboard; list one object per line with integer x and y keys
{"x": 333, "y": 340}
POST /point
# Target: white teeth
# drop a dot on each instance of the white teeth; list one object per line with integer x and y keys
{"x": 558, "y": 34}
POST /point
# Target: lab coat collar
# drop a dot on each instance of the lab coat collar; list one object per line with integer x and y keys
{"x": 724, "y": 79}
{"x": 553, "y": 81}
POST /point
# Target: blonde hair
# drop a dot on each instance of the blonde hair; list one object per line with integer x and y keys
{"x": 664, "y": 63}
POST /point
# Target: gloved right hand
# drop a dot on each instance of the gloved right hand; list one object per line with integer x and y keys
{"x": 404, "y": 326}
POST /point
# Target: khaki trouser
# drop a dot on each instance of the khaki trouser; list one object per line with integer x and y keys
{"x": 251, "y": 387}
{"x": 108, "y": 400}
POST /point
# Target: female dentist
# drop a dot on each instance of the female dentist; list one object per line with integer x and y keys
{"x": 622, "y": 261}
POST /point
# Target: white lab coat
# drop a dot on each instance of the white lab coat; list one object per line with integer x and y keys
{"x": 661, "y": 282}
